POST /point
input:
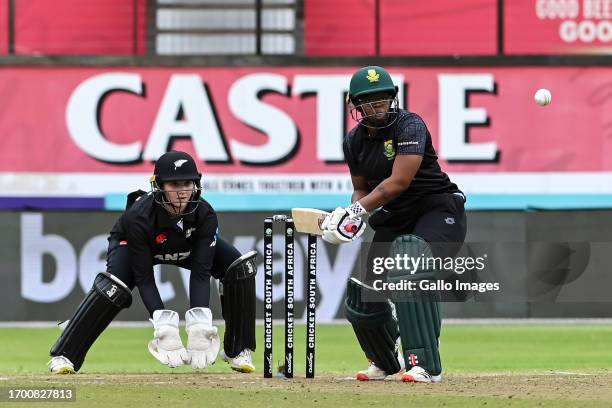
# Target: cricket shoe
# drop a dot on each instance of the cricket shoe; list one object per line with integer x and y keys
{"x": 419, "y": 375}
{"x": 60, "y": 365}
{"x": 372, "y": 373}
{"x": 243, "y": 362}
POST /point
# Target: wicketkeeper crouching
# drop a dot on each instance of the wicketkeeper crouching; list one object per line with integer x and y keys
{"x": 171, "y": 224}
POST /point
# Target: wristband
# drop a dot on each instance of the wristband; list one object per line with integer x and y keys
{"x": 356, "y": 210}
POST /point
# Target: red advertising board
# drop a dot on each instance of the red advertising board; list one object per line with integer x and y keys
{"x": 53, "y": 118}
{"x": 105, "y": 27}
{"x": 558, "y": 27}
{"x": 267, "y": 130}
{"x": 340, "y": 27}
{"x": 441, "y": 27}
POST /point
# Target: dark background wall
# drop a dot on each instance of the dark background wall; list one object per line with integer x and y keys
{"x": 49, "y": 259}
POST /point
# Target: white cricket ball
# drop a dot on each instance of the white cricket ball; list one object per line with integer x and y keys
{"x": 542, "y": 97}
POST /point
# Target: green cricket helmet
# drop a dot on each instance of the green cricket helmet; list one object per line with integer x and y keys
{"x": 366, "y": 84}
{"x": 369, "y": 80}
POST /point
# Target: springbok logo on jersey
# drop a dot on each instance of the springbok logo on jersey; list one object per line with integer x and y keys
{"x": 179, "y": 163}
{"x": 389, "y": 150}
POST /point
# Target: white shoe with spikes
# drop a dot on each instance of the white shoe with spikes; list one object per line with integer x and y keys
{"x": 60, "y": 365}
{"x": 243, "y": 362}
{"x": 419, "y": 375}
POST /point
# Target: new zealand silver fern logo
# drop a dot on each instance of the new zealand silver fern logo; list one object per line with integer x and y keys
{"x": 179, "y": 163}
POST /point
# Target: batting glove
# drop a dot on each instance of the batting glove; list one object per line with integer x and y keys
{"x": 344, "y": 224}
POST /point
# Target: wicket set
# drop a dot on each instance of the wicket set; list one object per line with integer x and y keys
{"x": 289, "y": 297}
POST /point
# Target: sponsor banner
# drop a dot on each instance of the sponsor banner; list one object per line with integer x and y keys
{"x": 263, "y": 132}
{"x": 558, "y": 27}
{"x": 49, "y": 262}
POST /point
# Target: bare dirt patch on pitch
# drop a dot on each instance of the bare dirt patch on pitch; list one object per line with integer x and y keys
{"x": 569, "y": 386}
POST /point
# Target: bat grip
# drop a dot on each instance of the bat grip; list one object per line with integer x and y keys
{"x": 352, "y": 228}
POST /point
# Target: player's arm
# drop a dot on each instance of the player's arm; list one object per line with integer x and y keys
{"x": 360, "y": 188}
{"x": 411, "y": 144}
{"x": 141, "y": 263}
{"x": 203, "y": 342}
{"x": 330, "y": 225}
{"x": 404, "y": 169}
{"x": 166, "y": 345}
{"x": 201, "y": 263}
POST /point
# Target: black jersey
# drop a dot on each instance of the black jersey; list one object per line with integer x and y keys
{"x": 152, "y": 238}
{"x": 372, "y": 158}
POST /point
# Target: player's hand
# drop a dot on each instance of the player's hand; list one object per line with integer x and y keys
{"x": 166, "y": 345}
{"x": 202, "y": 339}
{"x": 342, "y": 226}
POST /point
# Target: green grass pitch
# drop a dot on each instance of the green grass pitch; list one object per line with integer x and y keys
{"x": 522, "y": 365}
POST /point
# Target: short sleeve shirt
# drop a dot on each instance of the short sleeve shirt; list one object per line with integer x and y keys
{"x": 373, "y": 158}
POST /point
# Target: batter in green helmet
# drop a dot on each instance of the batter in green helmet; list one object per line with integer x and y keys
{"x": 373, "y": 98}
{"x": 414, "y": 209}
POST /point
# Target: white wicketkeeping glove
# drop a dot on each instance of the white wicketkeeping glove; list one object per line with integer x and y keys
{"x": 343, "y": 225}
{"x": 202, "y": 339}
{"x": 166, "y": 345}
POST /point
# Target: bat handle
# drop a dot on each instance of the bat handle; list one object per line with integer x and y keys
{"x": 352, "y": 228}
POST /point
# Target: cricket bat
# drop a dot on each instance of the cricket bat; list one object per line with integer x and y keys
{"x": 308, "y": 221}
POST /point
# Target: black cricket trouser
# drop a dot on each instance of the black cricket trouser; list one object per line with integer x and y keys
{"x": 439, "y": 219}
{"x": 117, "y": 262}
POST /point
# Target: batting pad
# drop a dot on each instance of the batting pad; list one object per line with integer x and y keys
{"x": 374, "y": 325}
{"x": 238, "y": 303}
{"x": 418, "y": 312}
{"x": 102, "y": 304}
